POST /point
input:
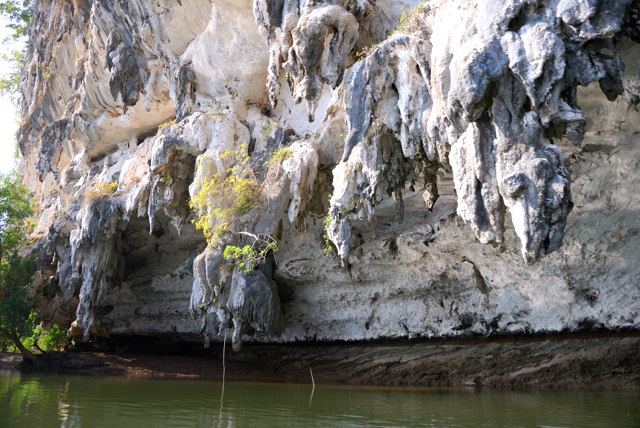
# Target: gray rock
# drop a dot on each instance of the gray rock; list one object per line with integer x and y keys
{"x": 253, "y": 301}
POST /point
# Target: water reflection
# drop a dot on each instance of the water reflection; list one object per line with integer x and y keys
{"x": 85, "y": 402}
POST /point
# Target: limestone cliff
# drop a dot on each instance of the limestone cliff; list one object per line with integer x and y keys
{"x": 470, "y": 168}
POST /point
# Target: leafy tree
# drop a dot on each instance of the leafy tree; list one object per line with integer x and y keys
{"x": 43, "y": 339}
{"x": 15, "y": 306}
{"x": 10, "y": 82}
{"x": 15, "y": 270}
{"x": 15, "y": 208}
{"x": 19, "y": 14}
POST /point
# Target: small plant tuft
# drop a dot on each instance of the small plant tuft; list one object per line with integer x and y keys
{"x": 266, "y": 130}
{"x": 366, "y": 50}
{"x": 279, "y": 155}
{"x": 408, "y": 19}
{"x": 101, "y": 191}
{"x": 213, "y": 113}
{"x": 326, "y": 223}
{"x": 167, "y": 123}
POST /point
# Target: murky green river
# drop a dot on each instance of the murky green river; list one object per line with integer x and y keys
{"x": 41, "y": 401}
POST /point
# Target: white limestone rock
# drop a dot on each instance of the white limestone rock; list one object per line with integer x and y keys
{"x": 468, "y": 112}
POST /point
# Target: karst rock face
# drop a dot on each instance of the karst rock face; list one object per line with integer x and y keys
{"x": 447, "y": 168}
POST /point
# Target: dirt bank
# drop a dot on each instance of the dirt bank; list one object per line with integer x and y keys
{"x": 147, "y": 366}
{"x": 585, "y": 363}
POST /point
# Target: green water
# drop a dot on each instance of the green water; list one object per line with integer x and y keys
{"x": 40, "y": 401}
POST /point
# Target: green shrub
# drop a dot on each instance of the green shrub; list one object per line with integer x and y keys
{"x": 19, "y": 13}
{"x": 10, "y": 82}
{"x": 250, "y": 255}
{"x": 15, "y": 269}
{"x": 51, "y": 339}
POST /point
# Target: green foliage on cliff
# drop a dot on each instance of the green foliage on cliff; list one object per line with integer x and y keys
{"x": 36, "y": 336}
{"x": 101, "y": 191}
{"x": 226, "y": 196}
{"x": 409, "y": 19}
{"x": 15, "y": 208}
{"x": 222, "y": 200}
{"x": 279, "y": 155}
{"x": 250, "y": 255}
{"x": 15, "y": 305}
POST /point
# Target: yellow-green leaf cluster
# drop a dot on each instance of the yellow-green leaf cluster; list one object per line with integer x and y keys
{"x": 101, "y": 191}
{"x": 226, "y": 196}
{"x": 279, "y": 155}
{"x": 409, "y": 19}
{"x": 166, "y": 123}
{"x": 250, "y": 255}
{"x": 326, "y": 223}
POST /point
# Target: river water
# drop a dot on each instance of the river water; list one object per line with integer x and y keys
{"x": 41, "y": 401}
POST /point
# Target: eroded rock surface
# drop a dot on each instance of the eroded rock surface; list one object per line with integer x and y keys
{"x": 427, "y": 169}
{"x": 485, "y": 102}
